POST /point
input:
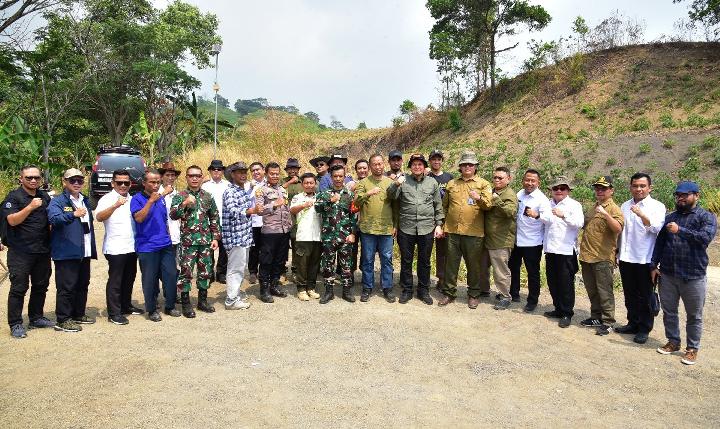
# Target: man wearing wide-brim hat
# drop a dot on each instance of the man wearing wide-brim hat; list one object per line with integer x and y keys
{"x": 562, "y": 226}
{"x": 320, "y": 163}
{"x": 603, "y": 223}
{"x": 216, "y": 186}
{"x": 326, "y": 180}
{"x": 169, "y": 174}
{"x": 464, "y": 204}
{"x": 294, "y": 186}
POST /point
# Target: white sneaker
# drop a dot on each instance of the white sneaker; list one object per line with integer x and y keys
{"x": 303, "y": 296}
{"x": 237, "y": 305}
{"x": 312, "y": 294}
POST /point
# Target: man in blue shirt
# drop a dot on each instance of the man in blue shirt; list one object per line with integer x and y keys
{"x": 326, "y": 180}
{"x": 154, "y": 247}
{"x": 680, "y": 261}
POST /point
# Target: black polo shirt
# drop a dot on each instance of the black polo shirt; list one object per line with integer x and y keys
{"x": 33, "y": 234}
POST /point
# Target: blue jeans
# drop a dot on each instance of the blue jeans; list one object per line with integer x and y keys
{"x": 155, "y": 266}
{"x": 371, "y": 244}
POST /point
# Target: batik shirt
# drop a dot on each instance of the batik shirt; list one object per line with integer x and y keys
{"x": 199, "y": 224}
{"x": 236, "y": 223}
{"x": 338, "y": 222}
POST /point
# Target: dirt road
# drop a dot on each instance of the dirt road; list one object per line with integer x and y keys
{"x": 301, "y": 364}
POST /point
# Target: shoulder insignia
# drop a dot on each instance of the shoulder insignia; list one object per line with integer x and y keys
{"x": 8, "y": 205}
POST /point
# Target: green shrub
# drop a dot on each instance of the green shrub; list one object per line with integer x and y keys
{"x": 455, "y": 120}
{"x": 711, "y": 200}
{"x": 592, "y": 146}
{"x": 645, "y": 148}
{"x": 711, "y": 142}
{"x": 640, "y": 124}
{"x": 576, "y": 72}
{"x": 586, "y": 163}
{"x": 668, "y": 143}
{"x": 582, "y": 134}
{"x": 695, "y": 120}
{"x": 502, "y": 147}
{"x": 651, "y": 166}
{"x": 716, "y": 157}
{"x": 667, "y": 121}
{"x": 690, "y": 170}
{"x": 571, "y": 163}
{"x": 610, "y": 161}
{"x": 583, "y": 193}
{"x": 589, "y": 111}
{"x": 580, "y": 177}
{"x": 693, "y": 150}
{"x": 566, "y": 152}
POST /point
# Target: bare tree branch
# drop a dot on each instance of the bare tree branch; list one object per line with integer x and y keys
{"x": 24, "y": 8}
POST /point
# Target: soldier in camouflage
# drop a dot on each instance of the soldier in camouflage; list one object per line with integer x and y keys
{"x": 199, "y": 235}
{"x": 337, "y": 234}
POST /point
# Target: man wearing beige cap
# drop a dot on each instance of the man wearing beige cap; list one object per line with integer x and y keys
{"x": 562, "y": 226}
{"x": 72, "y": 245}
{"x": 464, "y": 204}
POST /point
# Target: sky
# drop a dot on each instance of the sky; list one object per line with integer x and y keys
{"x": 357, "y": 61}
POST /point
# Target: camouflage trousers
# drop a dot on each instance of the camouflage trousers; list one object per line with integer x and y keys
{"x": 332, "y": 250}
{"x": 188, "y": 257}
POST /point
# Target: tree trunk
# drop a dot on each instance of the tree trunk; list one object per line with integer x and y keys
{"x": 492, "y": 67}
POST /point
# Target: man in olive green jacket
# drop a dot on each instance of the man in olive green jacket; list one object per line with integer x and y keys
{"x": 465, "y": 202}
{"x": 421, "y": 219}
{"x": 500, "y": 224}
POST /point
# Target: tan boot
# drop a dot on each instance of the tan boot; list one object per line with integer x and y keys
{"x": 303, "y": 296}
{"x": 312, "y": 294}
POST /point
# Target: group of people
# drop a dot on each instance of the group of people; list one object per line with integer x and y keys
{"x": 253, "y": 218}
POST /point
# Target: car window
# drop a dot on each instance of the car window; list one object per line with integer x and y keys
{"x": 133, "y": 164}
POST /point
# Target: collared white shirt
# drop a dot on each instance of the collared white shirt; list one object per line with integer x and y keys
{"x": 119, "y": 227}
{"x": 78, "y": 203}
{"x": 561, "y": 233}
{"x": 257, "y": 221}
{"x": 308, "y": 220}
{"x": 216, "y": 189}
{"x": 637, "y": 240}
{"x": 531, "y": 231}
{"x": 173, "y": 225}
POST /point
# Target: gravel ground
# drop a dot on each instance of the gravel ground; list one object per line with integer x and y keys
{"x": 301, "y": 364}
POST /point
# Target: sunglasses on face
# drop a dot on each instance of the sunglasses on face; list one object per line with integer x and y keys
{"x": 683, "y": 194}
{"x": 76, "y": 180}
{"x": 216, "y": 169}
{"x": 256, "y": 169}
{"x": 321, "y": 164}
{"x": 560, "y": 188}
{"x": 123, "y": 183}
{"x": 32, "y": 178}
{"x": 498, "y": 177}
{"x": 194, "y": 176}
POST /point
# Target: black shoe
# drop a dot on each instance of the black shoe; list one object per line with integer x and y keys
{"x": 133, "y": 310}
{"x": 389, "y": 295}
{"x": 640, "y": 337}
{"x": 503, "y": 304}
{"x": 155, "y": 316}
{"x": 603, "y": 330}
{"x": 173, "y": 312}
{"x": 515, "y": 299}
{"x": 221, "y": 278}
{"x": 529, "y": 308}
{"x": 405, "y": 296}
{"x": 365, "y": 296}
{"x": 187, "y": 309}
{"x": 202, "y": 302}
{"x": 118, "y": 320}
{"x": 329, "y": 295}
{"x": 591, "y": 323}
{"x": 276, "y": 290}
{"x": 626, "y": 329}
{"x": 265, "y": 292}
{"x": 564, "y": 322}
{"x": 484, "y": 294}
{"x": 553, "y": 314}
{"x": 499, "y": 297}
{"x": 347, "y": 294}
{"x": 425, "y": 297}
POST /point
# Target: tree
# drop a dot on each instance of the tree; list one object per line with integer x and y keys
{"x": 705, "y": 11}
{"x": 336, "y": 124}
{"x": 12, "y": 11}
{"x": 222, "y": 101}
{"x": 313, "y": 116}
{"x": 245, "y": 107}
{"x": 471, "y": 28}
{"x": 408, "y": 108}
{"x": 362, "y": 126}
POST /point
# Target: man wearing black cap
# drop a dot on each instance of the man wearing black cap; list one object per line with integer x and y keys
{"x": 421, "y": 218}
{"x": 395, "y": 161}
{"x": 680, "y": 261}
{"x": 216, "y": 186}
{"x": 436, "y": 160}
{"x": 326, "y": 181}
{"x": 603, "y": 224}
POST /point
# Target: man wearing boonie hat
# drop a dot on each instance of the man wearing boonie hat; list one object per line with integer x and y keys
{"x": 72, "y": 245}
{"x": 466, "y": 199}
{"x": 216, "y": 186}
{"x": 680, "y": 260}
{"x": 603, "y": 224}
{"x": 562, "y": 226}
{"x": 168, "y": 175}
{"x": 320, "y": 163}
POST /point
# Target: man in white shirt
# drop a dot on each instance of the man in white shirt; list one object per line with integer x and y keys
{"x": 257, "y": 171}
{"x": 113, "y": 210}
{"x": 216, "y": 186}
{"x": 562, "y": 225}
{"x": 532, "y": 203}
{"x": 644, "y": 218}
{"x": 168, "y": 175}
{"x": 307, "y": 238}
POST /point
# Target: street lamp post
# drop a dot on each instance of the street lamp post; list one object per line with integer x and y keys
{"x": 216, "y": 51}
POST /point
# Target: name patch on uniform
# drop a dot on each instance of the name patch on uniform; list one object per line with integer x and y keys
{"x": 67, "y": 209}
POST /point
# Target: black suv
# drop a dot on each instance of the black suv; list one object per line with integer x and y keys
{"x": 113, "y": 158}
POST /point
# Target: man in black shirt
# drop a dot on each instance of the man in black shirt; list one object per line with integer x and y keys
{"x": 28, "y": 259}
{"x": 436, "y": 159}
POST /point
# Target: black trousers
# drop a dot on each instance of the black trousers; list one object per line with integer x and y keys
{"x": 72, "y": 278}
{"x": 531, "y": 255}
{"x": 222, "y": 260}
{"x": 560, "y": 272}
{"x": 24, "y": 268}
{"x": 440, "y": 255}
{"x": 121, "y": 276}
{"x": 254, "y": 255}
{"x": 407, "y": 243}
{"x": 637, "y": 288}
{"x": 273, "y": 255}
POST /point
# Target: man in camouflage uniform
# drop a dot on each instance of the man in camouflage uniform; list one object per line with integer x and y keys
{"x": 275, "y": 233}
{"x": 199, "y": 235}
{"x": 338, "y": 224}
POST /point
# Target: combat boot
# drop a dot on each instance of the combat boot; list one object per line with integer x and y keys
{"x": 265, "y": 292}
{"x": 347, "y": 294}
{"x": 329, "y": 294}
{"x": 187, "y": 308}
{"x": 202, "y": 302}
{"x": 276, "y": 290}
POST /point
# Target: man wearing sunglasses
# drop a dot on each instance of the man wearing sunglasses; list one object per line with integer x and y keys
{"x": 257, "y": 172}
{"x": 216, "y": 186}
{"x": 562, "y": 226}
{"x": 113, "y": 210}
{"x": 28, "y": 258}
{"x": 680, "y": 262}
{"x": 72, "y": 245}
